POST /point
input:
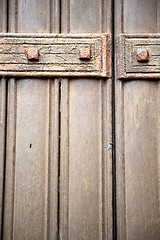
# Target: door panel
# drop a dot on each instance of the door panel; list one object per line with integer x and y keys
{"x": 86, "y": 181}
{"x": 32, "y": 139}
{"x": 56, "y": 134}
{"x": 137, "y": 135}
{"x": 29, "y": 176}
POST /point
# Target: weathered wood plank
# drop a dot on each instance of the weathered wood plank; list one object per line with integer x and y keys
{"x": 10, "y": 173}
{"x": 137, "y": 135}
{"x": 142, "y": 160}
{"x": 3, "y": 15}
{"x": 2, "y": 142}
{"x": 31, "y": 172}
{"x": 32, "y": 138}
{"x": 158, "y": 16}
{"x": 84, "y": 194}
{"x": 3, "y": 28}
{"x": 86, "y": 185}
{"x": 140, "y": 16}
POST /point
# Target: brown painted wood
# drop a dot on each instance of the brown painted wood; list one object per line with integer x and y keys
{"x": 137, "y": 134}
{"x": 3, "y": 16}
{"x": 2, "y": 141}
{"x": 3, "y": 28}
{"x": 32, "y": 137}
{"x": 85, "y": 156}
{"x": 86, "y": 181}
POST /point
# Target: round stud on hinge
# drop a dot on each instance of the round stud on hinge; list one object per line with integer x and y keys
{"x": 32, "y": 54}
{"x": 142, "y": 55}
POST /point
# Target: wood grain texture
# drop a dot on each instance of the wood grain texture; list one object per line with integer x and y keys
{"x": 85, "y": 177}
{"x": 32, "y": 138}
{"x": 34, "y": 16}
{"x": 10, "y": 174}
{"x": 2, "y": 142}
{"x": 32, "y": 153}
{"x": 137, "y": 135}
{"x": 86, "y": 16}
{"x": 140, "y": 16}
{"x": 86, "y": 185}
{"x": 3, "y": 28}
{"x": 3, "y": 15}
{"x": 158, "y": 16}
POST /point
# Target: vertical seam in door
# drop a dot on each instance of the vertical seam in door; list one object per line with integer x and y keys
{"x": 68, "y": 20}
{"x": 50, "y": 16}
{"x": 7, "y": 13}
{"x": 14, "y": 155}
{"x": 16, "y": 16}
{"x": 122, "y": 19}
{"x": 59, "y": 146}
{"x": 113, "y": 130}
{"x": 60, "y": 16}
{"x": 59, "y": 134}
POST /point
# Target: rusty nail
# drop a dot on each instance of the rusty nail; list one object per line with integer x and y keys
{"x": 32, "y": 54}
{"x": 142, "y": 55}
{"x": 85, "y": 53}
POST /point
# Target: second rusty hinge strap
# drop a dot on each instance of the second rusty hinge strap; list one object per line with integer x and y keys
{"x": 138, "y": 56}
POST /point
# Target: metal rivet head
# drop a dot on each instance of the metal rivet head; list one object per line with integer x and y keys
{"x": 85, "y": 53}
{"x": 142, "y": 55}
{"x": 32, "y": 54}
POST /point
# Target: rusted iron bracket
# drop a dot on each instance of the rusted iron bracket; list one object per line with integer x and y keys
{"x": 38, "y": 55}
{"x": 139, "y": 56}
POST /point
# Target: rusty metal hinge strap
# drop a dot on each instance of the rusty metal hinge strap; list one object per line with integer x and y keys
{"x": 38, "y": 55}
{"x": 139, "y": 56}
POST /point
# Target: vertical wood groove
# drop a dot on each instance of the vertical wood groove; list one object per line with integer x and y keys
{"x": 101, "y": 162}
{"x": 12, "y": 21}
{"x": 55, "y": 16}
{"x": 53, "y": 163}
{"x": 68, "y": 19}
{"x": 10, "y": 162}
{"x": 2, "y": 148}
{"x": 64, "y": 155}
{"x": 122, "y": 18}
{"x": 13, "y": 158}
{"x": 3, "y": 16}
{"x": 16, "y": 16}
{"x": 65, "y": 16}
{"x": 46, "y": 184}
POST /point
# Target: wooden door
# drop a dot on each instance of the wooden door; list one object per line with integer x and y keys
{"x": 57, "y": 167}
{"x": 79, "y": 156}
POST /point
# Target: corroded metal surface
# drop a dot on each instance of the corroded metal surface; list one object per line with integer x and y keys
{"x": 139, "y": 56}
{"x": 142, "y": 55}
{"x": 32, "y": 54}
{"x": 54, "y": 55}
{"x": 85, "y": 53}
